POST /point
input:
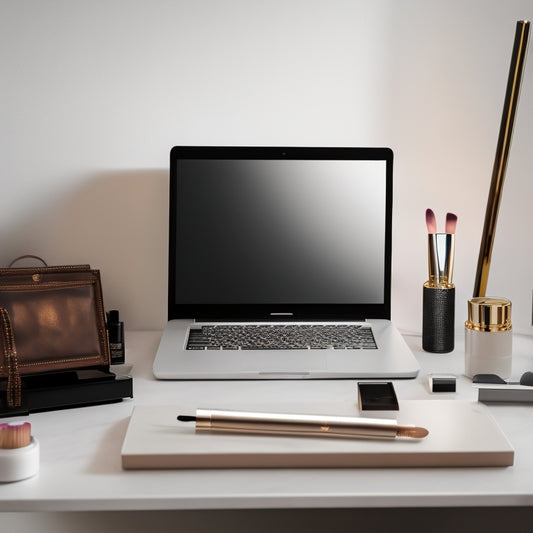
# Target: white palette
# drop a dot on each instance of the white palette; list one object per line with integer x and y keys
{"x": 460, "y": 434}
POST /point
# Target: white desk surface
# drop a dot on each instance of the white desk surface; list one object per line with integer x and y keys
{"x": 81, "y": 466}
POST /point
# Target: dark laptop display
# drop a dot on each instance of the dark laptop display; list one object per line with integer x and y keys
{"x": 280, "y": 232}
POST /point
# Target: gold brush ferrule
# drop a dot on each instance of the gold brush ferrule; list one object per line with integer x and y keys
{"x": 441, "y": 258}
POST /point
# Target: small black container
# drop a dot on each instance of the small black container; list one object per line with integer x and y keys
{"x": 438, "y": 319}
{"x": 115, "y": 330}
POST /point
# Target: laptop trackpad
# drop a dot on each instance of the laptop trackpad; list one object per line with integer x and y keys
{"x": 266, "y": 362}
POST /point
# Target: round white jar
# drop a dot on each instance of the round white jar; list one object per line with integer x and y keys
{"x": 488, "y": 337}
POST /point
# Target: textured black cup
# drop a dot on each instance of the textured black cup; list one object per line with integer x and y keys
{"x": 438, "y": 320}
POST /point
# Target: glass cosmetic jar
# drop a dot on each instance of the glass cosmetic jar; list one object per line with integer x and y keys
{"x": 488, "y": 337}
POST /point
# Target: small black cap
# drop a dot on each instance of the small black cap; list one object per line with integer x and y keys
{"x": 442, "y": 383}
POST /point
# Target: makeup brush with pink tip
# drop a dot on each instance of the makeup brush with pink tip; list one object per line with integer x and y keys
{"x": 441, "y": 249}
{"x": 431, "y": 222}
{"x": 438, "y": 302}
{"x": 451, "y": 222}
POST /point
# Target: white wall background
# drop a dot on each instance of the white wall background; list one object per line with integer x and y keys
{"x": 94, "y": 94}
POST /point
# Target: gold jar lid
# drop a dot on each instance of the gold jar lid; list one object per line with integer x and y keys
{"x": 489, "y": 314}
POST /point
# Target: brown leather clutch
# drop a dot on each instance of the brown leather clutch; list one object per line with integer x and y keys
{"x": 51, "y": 319}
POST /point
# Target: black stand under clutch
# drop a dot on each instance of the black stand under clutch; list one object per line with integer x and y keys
{"x": 70, "y": 389}
{"x": 438, "y": 319}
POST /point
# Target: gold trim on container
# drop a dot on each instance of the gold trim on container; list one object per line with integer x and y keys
{"x": 489, "y": 314}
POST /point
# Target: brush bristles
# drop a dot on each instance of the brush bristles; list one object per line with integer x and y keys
{"x": 451, "y": 222}
{"x": 15, "y": 435}
{"x": 431, "y": 222}
{"x": 412, "y": 432}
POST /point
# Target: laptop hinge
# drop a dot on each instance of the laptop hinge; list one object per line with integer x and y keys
{"x": 281, "y": 318}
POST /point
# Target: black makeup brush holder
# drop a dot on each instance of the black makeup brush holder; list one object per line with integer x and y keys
{"x": 438, "y": 319}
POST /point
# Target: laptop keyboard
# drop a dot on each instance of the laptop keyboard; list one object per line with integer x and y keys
{"x": 281, "y": 337}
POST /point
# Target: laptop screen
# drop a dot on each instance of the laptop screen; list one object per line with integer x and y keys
{"x": 262, "y": 233}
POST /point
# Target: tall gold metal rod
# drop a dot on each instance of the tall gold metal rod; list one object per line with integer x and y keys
{"x": 502, "y": 154}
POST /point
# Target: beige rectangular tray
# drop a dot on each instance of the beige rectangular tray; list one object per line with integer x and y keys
{"x": 460, "y": 434}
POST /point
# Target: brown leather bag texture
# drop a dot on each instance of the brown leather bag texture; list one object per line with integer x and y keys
{"x": 51, "y": 319}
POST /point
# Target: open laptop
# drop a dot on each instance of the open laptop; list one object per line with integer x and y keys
{"x": 280, "y": 265}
